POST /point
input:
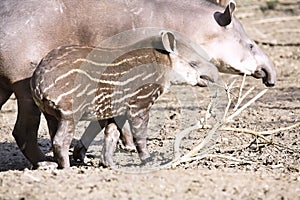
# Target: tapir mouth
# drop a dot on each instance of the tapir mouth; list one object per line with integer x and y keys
{"x": 204, "y": 81}
{"x": 262, "y": 73}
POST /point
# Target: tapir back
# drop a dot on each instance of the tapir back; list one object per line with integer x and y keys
{"x": 31, "y": 29}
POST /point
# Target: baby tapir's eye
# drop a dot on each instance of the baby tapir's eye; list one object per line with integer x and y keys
{"x": 193, "y": 64}
{"x": 251, "y": 46}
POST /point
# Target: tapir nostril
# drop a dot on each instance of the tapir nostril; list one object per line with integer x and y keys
{"x": 266, "y": 79}
{"x": 207, "y": 78}
{"x": 260, "y": 74}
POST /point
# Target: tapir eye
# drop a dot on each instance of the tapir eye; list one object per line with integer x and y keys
{"x": 193, "y": 64}
{"x": 251, "y": 46}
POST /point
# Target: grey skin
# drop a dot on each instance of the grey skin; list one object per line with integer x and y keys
{"x": 75, "y": 83}
{"x": 30, "y": 29}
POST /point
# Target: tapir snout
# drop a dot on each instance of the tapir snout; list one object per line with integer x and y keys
{"x": 265, "y": 70}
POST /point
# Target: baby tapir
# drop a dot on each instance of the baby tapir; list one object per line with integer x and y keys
{"x": 75, "y": 83}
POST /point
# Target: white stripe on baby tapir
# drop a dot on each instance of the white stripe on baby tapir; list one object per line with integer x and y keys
{"x": 96, "y": 98}
{"x": 147, "y": 95}
{"x": 118, "y": 83}
{"x": 93, "y": 91}
{"x": 65, "y": 94}
{"x": 98, "y": 108}
{"x": 83, "y": 92}
{"x": 111, "y": 64}
{"x": 74, "y": 111}
{"x": 149, "y": 76}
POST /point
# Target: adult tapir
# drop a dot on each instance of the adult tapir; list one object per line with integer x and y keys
{"x": 30, "y": 29}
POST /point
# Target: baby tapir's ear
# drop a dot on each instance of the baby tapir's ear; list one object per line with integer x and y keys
{"x": 224, "y": 19}
{"x": 169, "y": 42}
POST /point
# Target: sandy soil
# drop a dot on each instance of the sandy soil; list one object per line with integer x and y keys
{"x": 239, "y": 166}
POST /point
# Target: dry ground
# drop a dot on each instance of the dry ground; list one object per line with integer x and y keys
{"x": 240, "y": 166}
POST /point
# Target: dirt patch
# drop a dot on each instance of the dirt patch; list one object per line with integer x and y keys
{"x": 240, "y": 166}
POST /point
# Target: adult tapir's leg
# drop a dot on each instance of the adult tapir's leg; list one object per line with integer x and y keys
{"x": 5, "y": 90}
{"x": 52, "y": 123}
{"x": 27, "y": 124}
{"x": 86, "y": 139}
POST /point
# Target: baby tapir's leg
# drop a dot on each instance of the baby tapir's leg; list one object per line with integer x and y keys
{"x": 62, "y": 141}
{"x": 138, "y": 124}
{"x": 111, "y": 138}
{"x": 126, "y": 140}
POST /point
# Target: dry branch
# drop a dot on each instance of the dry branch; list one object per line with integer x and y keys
{"x": 240, "y": 161}
{"x": 236, "y": 113}
{"x": 201, "y": 150}
{"x": 280, "y": 129}
{"x": 243, "y": 130}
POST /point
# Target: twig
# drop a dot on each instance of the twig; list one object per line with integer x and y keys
{"x": 241, "y": 98}
{"x": 205, "y": 146}
{"x": 181, "y": 135}
{"x": 200, "y": 151}
{"x": 240, "y": 93}
{"x": 260, "y": 134}
{"x": 215, "y": 156}
{"x": 228, "y": 89}
{"x": 255, "y": 133}
{"x": 207, "y": 114}
{"x": 280, "y": 129}
{"x": 246, "y": 105}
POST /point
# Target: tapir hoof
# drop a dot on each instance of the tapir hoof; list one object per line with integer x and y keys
{"x": 79, "y": 152}
{"x": 108, "y": 164}
{"x": 126, "y": 147}
{"x": 47, "y": 165}
{"x": 147, "y": 160}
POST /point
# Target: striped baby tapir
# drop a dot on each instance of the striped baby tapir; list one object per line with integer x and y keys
{"x": 111, "y": 86}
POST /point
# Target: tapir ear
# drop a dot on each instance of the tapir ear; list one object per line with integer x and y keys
{"x": 225, "y": 18}
{"x": 169, "y": 42}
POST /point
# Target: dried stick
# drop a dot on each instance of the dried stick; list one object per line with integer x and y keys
{"x": 240, "y": 92}
{"x": 215, "y": 156}
{"x": 228, "y": 89}
{"x": 229, "y": 118}
{"x": 280, "y": 129}
{"x": 181, "y": 135}
{"x": 240, "y": 97}
{"x": 204, "y": 145}
{"x": 243, "y": 130}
